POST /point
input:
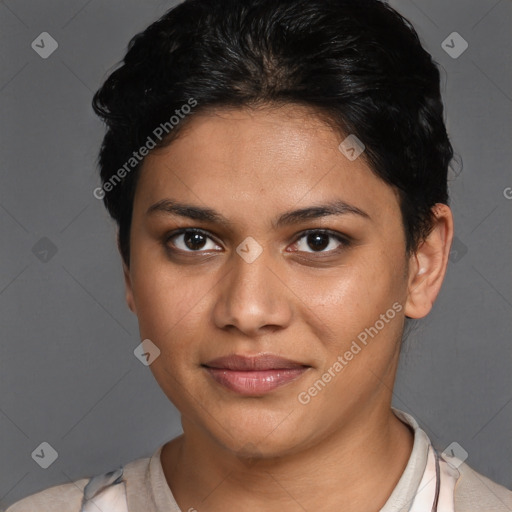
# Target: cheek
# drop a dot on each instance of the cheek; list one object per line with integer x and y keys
{"x": 356, "y": 317}
{"x": 166, "y": 298}
{"x": 344, "y": 302}
{"x": 171, "y": 311}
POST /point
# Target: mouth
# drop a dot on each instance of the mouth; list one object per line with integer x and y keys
{"x": 256, "y": 375}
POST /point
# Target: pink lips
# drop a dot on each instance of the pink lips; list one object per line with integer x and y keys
{"x": 254, "y": 375}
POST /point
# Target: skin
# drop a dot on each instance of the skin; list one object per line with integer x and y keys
{"x": 345, "y": 449}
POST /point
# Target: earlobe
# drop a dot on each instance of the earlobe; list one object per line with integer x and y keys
{"x": 128, "y": 288}
{"x": 427, "y": 266}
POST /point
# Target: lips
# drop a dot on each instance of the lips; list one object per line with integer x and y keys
{"x": 255, "y": 375}
{"x": 256, "y": 363}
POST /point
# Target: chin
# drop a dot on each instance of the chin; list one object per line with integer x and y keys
{"x": 260, "y": 434}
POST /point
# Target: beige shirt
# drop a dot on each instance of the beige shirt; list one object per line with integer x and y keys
{"x": 147, "y": 489}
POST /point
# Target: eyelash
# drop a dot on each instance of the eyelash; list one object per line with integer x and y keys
{"x": 343, "y": 240}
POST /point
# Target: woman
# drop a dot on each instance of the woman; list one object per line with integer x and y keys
{"x": 278, "y": 173}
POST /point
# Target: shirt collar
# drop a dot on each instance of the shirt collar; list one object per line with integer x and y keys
{"x": 403, "y": 494}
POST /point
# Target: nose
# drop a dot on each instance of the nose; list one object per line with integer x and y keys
{"x": 253, "y": 297}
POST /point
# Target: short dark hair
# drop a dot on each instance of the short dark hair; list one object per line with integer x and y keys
{"x": 358, "y": 63}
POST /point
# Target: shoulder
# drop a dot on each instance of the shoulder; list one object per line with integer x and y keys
{"x": 60, "y": 498}
{"x": 475, "y": 492}
{"x": 69, "y": 497}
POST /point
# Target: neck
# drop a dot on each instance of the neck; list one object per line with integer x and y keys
{"x": 354, "y": 469}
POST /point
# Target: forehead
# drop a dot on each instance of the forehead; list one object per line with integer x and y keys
{"x": 267, "y": 158}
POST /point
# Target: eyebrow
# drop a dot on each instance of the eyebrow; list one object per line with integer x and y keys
{"x": 337, "y": 207}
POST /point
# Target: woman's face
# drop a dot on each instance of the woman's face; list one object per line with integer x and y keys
{"x": 251, "y": 280}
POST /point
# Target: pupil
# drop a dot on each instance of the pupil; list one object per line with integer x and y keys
{"x": 318, "y": 241}
{"x": 194, "y": 240}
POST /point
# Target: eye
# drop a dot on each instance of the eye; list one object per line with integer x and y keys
{"x": 321, "y": 239}
{"x": 196, "y": 240}
{"x": 191, "y": 240}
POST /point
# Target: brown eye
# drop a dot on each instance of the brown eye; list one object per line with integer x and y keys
{"x": 191, "y": 240}
{"x": 320, "y": 240}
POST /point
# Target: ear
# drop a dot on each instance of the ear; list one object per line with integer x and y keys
{"x": 427, "y": 266}
{"x": 128, "y": 288}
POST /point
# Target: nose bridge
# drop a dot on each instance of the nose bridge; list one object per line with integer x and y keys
{"x": 251, "y": 274}
{"x": 252, "y": 297}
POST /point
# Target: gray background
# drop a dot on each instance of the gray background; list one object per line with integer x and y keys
{"x": 68, "y": 375}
